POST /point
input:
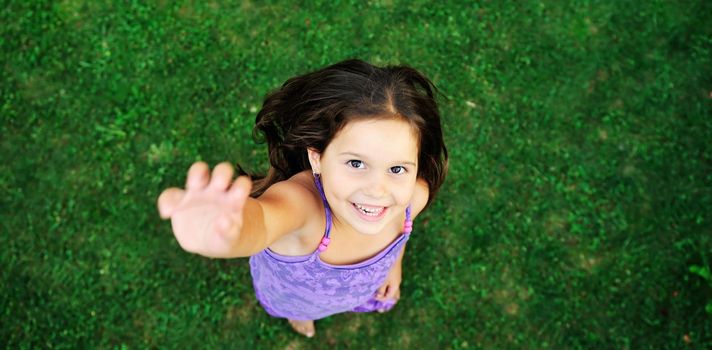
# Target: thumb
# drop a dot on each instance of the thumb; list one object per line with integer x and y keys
{"x": 229, "y": 224}
{"x": 168, "y": 201}
{"x": 224, "y": 225}
{"x": 238, "y": 193}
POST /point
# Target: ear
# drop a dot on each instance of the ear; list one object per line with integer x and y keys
{"x": 314, "y": 160}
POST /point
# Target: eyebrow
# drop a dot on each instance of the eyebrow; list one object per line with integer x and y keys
{"x": 364, "y": 157}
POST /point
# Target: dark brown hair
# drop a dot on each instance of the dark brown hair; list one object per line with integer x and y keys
{"x": 308, "y": 111}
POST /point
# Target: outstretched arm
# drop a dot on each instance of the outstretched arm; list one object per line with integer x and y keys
{"x": 215, "y": 216}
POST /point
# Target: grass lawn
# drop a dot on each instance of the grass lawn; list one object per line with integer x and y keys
{"x": 577, "y": 213}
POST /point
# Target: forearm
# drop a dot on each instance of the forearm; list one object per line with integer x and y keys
{"x": 252, "y": 237}
{"x": 266, "y": 219}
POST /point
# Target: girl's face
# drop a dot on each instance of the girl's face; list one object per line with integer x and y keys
{"x": 368, "y": 172}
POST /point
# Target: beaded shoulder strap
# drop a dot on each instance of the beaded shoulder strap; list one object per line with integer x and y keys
{"x": 324, "y": 240}
{"x": 408, "y": 224}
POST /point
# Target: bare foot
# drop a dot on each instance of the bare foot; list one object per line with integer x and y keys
{"x": 305, "y": 328}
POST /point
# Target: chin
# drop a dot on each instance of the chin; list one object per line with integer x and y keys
{"x": 370, "y": 231}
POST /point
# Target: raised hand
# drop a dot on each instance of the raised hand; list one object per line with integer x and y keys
{"x": 207, "y": 216}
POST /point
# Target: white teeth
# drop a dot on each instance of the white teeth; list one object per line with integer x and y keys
{"x": 369, "y": 211}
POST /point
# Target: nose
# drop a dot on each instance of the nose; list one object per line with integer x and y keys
{"x": 376, "y": 187}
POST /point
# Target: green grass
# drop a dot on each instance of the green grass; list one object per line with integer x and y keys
{"x": 576, "y": 214}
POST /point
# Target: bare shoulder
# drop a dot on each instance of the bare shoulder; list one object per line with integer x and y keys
{"x": 420, "y": 197}
{"x": 296, "y": 192}
{"x": 292, "y": 208}
{"x": 291, "y": 204}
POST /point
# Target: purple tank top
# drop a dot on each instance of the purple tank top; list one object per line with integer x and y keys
{"x": 307, "y": 288}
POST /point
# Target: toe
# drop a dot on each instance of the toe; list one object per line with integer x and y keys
{"x": 305, "y": 328}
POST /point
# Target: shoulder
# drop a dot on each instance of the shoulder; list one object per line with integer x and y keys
{"x": 289, "y": 208}
{"x": 298, "y": 192}
{"x": 420, "y": 197}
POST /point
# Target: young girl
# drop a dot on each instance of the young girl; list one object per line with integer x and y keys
{"x": 356, "y": 152}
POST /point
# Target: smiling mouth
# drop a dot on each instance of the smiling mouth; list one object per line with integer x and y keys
{"x": 369, "y": 210}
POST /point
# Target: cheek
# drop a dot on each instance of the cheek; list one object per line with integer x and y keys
{"x": 404, "y": 194}
{"x": 341, "y": 190}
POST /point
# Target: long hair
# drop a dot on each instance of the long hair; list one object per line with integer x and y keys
{"x": 308, "y": 111}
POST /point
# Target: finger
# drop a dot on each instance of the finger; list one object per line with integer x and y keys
{"x": 168, "y": 201}
{"x": 197, "y": 176}
{"x": 222, "y": 176}
{"x": 380, "y": 294}
{"x": 392, "y": 292}
{"x": 239, "y": 191}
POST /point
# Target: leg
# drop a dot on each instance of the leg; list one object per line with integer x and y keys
{"x": 305, "y": 328}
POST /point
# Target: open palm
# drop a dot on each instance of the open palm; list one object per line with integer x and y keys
{"x": 207, "y": 216}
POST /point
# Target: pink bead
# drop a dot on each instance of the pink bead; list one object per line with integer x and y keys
{"x": 325, "y": 240}
{"x": 322, "y": 247}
